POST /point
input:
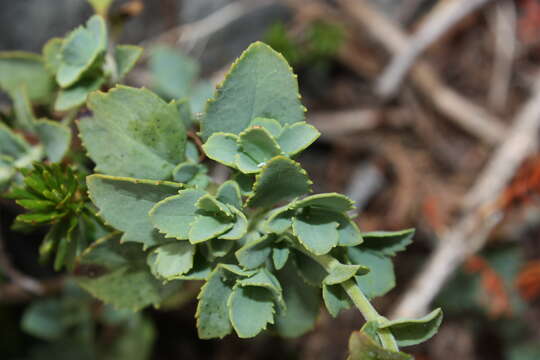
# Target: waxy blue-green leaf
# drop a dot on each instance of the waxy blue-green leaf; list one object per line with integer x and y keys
{"x": 335, "y": 299}
{"x": 76, "y": 95}
{"x": 280, "y": 179}
{"x": 212, "y": 311}
{"x": 216, "y": 248}
{"x": 259, "y": 84}
{"x": 124, "y": 203}
{"x": 239, "y": 228}
{"x": 222, "y": 147}
{"x": 170, "y": 261}
{"x": 173, "y": 215}
{"x": 302, "y": 303}
{"x": 316, "y": 230}
{"x": 81, "y": 50}
{"x": 388, "y": 242}
{"x": 117, "y": 274}
{"x": 328, "y": 201}
{"x": 280, "y": 255}
{"x": 309, "y": 270}
{"x": 297, "y": 137}
{"x": 229, "y": 193}
{"x": 11, "y": 144}
{"x": 279, "y": 220}
{"x": 409, "y": 332}
{"x": 192, "y": 174}
{"x": 126, "y": 56}
{"x": 201, "y": 268}
{"x": 22, "y": 69}
{"x": 204, "y": 228}
{"x": 265, "y": 279}
{"x": 342, "y": 272}
{"x": 362, "y": 347}
{"x": 349, "y": 234}
{"x": 250, "y": 309}
{"x": 55, "y": 137}
{"x": 257, "y": 147}
{"x": 254, "y": 253}
{"x": 209, "y": 204}
{"x": 133, "y": 133}
{"x": 24, "y": 115}
{"x": 52, "y": 55}
{"x": 380, "y": 278}
{"x": 173, "y": 73}
{"x": 271, "y": 125}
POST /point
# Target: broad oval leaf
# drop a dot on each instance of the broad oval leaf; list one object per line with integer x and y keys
{"x": 133, "y": 133}
{"x": 388, "y": 242}
{"x": 251, "y": 308}
{"x": 380, "y": 278}
{"x": 409, "y": 332}
{"x": 222, "y": 147}
{"x": 117, "y": 274}
{"x": 335, "y": 299}
{"x": 280, "y": 179}
{"x": 328, "y": 201}
{"x": 259, "y": 84}
{"x": 170, "y": 261}
{"x": 297, "y": 137}
{"x": 316, "y": 230}
{"x": 124, "y": 203}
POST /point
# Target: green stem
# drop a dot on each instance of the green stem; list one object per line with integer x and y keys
{"x": 370, "y": 314}
{"x": 357, "y": 296}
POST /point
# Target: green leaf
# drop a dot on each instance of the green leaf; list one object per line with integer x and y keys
{"x": 362, "y": 347}
{"x": 205, "y": 228}
{"x": 380, "y": 278}
{"x": 250, "y": 310}
{"x": 24, "y": 114}
{"x": 76, "y": 95}
{"x": 388, "y": 242}
{"x": 133, "y": 133}
{"x": 309, "y": 270}
{"x": 117, "y": 274}
{"x": 409, "y": 332}
{"x": 173, "y": 216}
{"x": 173, "y": 72}
{"x": 349, "y": 234}
{"x": 258, "y": 146}
{"x": 124, "y": 203}
{"x": 43, "y": 319}
{"x": 271, "y": 125}
{"x": 22, "y": 69}
{"x": 171, "y": 260}
{"x": 216, "y": 248}
{"x": 52, "y": 55}
{"x": 254, "y": 253}
{"x": 328, "y": 201}
{"x": 259, "y": 84}
{"x": 210, "y": 205}
{"x": 279, "y": 220}
{"x": 81, "y": 50}
{"x": 55, "y": 137}
{"x": 335, "y": 299}
{"x": 191, "y": 174}
{"x": 229, "y": 193}
{"x": 200, "y": 270}
{"x": 280, "y": 179}
{"x": 302, "y": 303}
{"x": 316, "y": 230}
{"x": 212, "y": 313}
{"x": 126, "y": 56}
{"x": 297, "y": 137}
{"x": 240, "y": 226}
{"x": 265, "y": 279}
{"x": 341, "y": 272}
{"x": 280, "y": 255}
{"x": 222, "y": 147}
{"x": 200, "y": 95}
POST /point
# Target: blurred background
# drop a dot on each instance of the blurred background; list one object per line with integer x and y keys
{"x": 429, "y": 112}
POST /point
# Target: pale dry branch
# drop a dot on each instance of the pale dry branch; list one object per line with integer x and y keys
{"x": 471, "y": 230}
{"x": 437, "y": 24}
{"x": 469, "y": 116}
{"x": 503, "y": 22}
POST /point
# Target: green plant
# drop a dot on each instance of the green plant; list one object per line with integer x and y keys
{"x": 268, "y": 252}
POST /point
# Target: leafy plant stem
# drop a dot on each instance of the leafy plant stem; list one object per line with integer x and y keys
{"x": 359, "y": 299}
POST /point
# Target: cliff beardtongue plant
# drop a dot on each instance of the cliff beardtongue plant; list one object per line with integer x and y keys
{"x": 265, "y": 249}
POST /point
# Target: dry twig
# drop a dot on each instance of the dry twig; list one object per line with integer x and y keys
{"x": 438, "y": 23}
{"x": 471, "y": 231}
{"x": 467, "y": 115}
